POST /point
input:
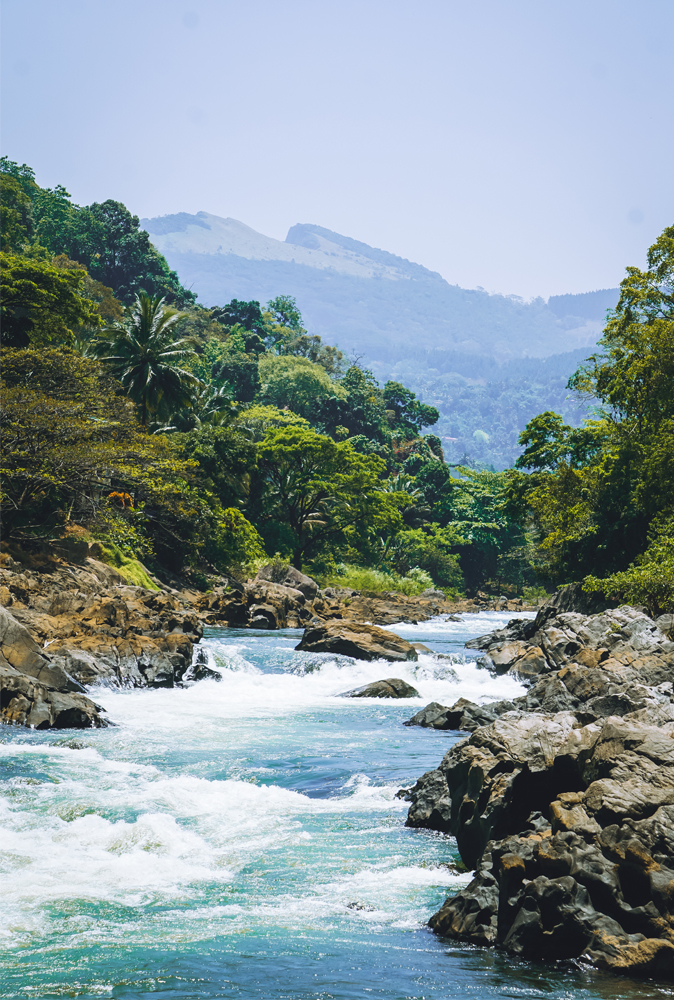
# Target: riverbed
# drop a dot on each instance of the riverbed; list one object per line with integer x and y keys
{"x": 243, "y": 839}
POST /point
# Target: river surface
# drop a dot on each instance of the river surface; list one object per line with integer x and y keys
{"x": 242, "y": 839}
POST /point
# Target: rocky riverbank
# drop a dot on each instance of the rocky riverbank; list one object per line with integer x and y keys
{"x": 86, "y": 626}
{"x": 563, "y": 800}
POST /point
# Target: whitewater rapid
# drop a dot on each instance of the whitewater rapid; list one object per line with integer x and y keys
{"x": 255, "y": 816}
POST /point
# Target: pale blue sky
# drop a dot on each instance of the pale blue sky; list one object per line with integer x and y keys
{"x": 525, "y": 146}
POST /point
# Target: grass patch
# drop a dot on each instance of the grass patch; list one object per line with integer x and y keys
{"x": 377, "y": 581}
{"x": 128, "y": 567}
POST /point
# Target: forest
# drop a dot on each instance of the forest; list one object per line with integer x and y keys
{"x": 200, "y": 442}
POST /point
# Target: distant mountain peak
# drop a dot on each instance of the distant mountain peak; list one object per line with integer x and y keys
{"x": 305, "y": 234}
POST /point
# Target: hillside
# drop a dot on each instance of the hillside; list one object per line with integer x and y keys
{"x": 364, "y": 299}
{"x": 480, "y": 358}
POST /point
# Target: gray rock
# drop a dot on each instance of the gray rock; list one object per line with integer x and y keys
{"x": 392, "y": 687}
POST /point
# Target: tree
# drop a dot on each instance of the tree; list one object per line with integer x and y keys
{"x": 409, "y": 415}
{"x": 145, "y": 357}
{"x": 322, "y": 491}
{"x": 360, "y": 412}
{"x": 247, "y": 315}
{"x": 295, "y": 383}
{"x": 16, "y": 217}
{"x": 42, "y": 303}
{"x": 71, "y": 446}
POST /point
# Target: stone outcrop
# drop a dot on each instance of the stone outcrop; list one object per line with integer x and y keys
{"x": 364, "y": 642}
{"x": 391, "y": 687}
{"x": 35, "y": 690}
{"x": 564, "y": 802}
{"x": 463, "y": 715}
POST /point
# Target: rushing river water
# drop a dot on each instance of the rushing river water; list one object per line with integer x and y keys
{"x": 243, "y": 839}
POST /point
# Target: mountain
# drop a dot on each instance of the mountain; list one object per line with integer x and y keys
{"x": 365, "y": 300}
{"x": 488, "y": 362}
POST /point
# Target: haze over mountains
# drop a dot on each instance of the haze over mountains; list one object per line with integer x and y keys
{"x": 488, "y": 362}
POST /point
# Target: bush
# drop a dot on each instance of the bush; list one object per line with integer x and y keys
{"x": 648, "y": 581}
{"x": 361, "y": 578}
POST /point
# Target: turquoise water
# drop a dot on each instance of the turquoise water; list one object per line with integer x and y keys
{"x": 243, "y": 839}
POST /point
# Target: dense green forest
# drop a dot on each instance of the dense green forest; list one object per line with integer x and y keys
{"x": 206, "y": 441}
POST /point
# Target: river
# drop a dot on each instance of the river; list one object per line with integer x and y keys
{"x": 242, "y": 839}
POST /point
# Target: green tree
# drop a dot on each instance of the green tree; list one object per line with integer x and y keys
{"x": 409, "y": 415}
{"x": 145, "y": 356}
{"x": 42, "y": 303}
{"x": 322, "y": 491}
{"x": 16, "y": 217}
{"x": 295, "y": 383}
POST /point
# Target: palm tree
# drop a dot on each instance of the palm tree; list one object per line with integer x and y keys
{"x": 145, "y": 356}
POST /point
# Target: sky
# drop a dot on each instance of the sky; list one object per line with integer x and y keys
{"x": 521, "y": 146}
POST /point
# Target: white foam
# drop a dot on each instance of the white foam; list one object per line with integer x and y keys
{"x": 136, "y": 818}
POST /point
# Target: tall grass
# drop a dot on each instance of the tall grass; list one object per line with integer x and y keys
{"x": 359, "y": 578}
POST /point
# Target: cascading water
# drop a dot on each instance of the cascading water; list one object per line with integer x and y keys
{"x": 243, "y": 839}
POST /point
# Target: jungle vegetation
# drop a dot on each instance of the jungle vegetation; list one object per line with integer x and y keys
{"x": 206, "y": 441}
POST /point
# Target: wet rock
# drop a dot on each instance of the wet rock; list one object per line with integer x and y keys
{"x": 570, "y": 829}
{"x": 364, "y": 642}
{"x": 392, "y": 687}
{"x": 34, "y": 691}
{"x": 431, "y": 803}
{"x": 463, "y": 715}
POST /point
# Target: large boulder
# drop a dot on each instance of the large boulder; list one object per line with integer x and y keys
{"x": 363, "y": 642}
{"x": 289, "y": 577}
{"x": 34, "y": 691}
{"x": 391, "y": 687}
{"x": 463, "y": 715}
{"x": 571, "y": 830}
{"x": 564, "y": 803}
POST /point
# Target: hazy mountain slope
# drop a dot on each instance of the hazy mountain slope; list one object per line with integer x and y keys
{"x": 488, "y": 362}
{"x": 363, "y": 299}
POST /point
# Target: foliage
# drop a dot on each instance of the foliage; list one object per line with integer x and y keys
{"x": 145, "y": 356}
{"x": 41, "y": 302}
{"x": 295, "y": 383}
{"x": 595, "y": 491}
{"x": 320, "y": 491}
{"x": 432, "y": 549}
{"x": 127, "y": 566}
{"x": 648, "y": 581}
{"x": 16, "y": 216}
{"x": 105, "y": 238}
{"x": 377, "y": 581}
{"x": 71, "y": 441}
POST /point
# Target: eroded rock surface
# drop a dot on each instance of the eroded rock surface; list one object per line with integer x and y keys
{"x": 34, "y": 689}
{"x": 364, "y": 642}
{"x": 564, "y": 803}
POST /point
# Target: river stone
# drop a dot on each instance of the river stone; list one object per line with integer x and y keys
{"x": 463, "y": 715}
{"x": 363, "y": 642}
{"x": 392, "y": 687}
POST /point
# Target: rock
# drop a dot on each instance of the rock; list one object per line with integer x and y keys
{"x": 420, "y": 648}
{"x": 574, "y": 598}
{"x": 433, "y": 716}
{"x": 570, "y": 830}
{"x": 364, "y": 642}
{"x": 431, "y": 592}
{"x": 291, "y": 577}
{"x": 34, "y": 691}
{"x": 463, "y": 715}
{"x": 20, "y": 651}
{"x": 392, "y": 687}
